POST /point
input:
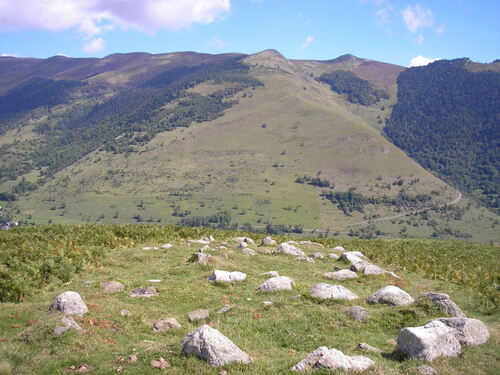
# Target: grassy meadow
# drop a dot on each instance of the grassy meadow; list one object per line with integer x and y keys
{"x": 38, "y": 263}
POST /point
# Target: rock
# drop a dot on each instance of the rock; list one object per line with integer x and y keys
{"x": 328, "y": 291}
{"x": 390, "y": 295}
{"x": 148, "y": 292}
{"x": 290, "y": 249}
{"x": 268, "y": 241}
{"x": 265, "y": 251}
{"x": 65, "y": 324}
{"x": 209, "y": 344}
{"x": 112, "y": 287}
{"x": 267, "y": 303}
{"x": 341, "y": 275}
{"x": 154, "y": 281}
{"x": 227, "y": 277}
{"x": 124, "y": 312}
{"x": 339, "y": 248}
{"x": 427, "y": 370}
{"x": 219, "y": 248}
{"x": 132, "y": 358}
{"x": 333, "y": 256}
{"x": 226, "y": 308}
{"x": 247, "y": 240}
{"x": 310, "y": 243}
{"x": 470, "y": 332}
{"x": 198, "y": 315}
{"x": 367, "y": 347}
{"x": 297, "y": 296}
{"x": 248, "y": 251}
{"x": 242, "y": 245}
{"x": 318, "y": 255}
{"x": 354, "y": 257}
{"x": 333, "y": 359}
{"x": 149, "y": 248}
{"x": 204, "y": 248}
{"x": 69, "y": 303}
{"x": 445, "y": 302}
{"x": 160, "y": 363}
{"x": 358, "y": 313}
{"x": 201, "y": 242}
{"x": 276, "y": 283}
{"x": 372, "y": 269}
{"x": 305, "y": 259}
{"x": 166, "y": 246}
{"x": 202, "y": 258}
{"x": 359, "y": 266}
{"x": 270, "y": 273}
{"x": 431, "y": 341}
{"x": 165, "y": 324}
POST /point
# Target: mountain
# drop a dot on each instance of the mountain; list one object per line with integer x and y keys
{"x": 258, "y": 141}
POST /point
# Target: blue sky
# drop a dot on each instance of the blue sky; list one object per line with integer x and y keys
{"x": 386, "y": 30}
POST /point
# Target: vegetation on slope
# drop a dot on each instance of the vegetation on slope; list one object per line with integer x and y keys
{"x": 447, "y": 118}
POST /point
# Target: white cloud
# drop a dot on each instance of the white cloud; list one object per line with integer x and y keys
{"x": 95, "y": 45}
{"x": 309, "y": 40}
{"x": 216, "y": 44}
{"x": 417, "y": 17}
{"x": 422, "y": 61}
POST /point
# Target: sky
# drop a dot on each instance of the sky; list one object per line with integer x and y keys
{"x": 402, "y": 32}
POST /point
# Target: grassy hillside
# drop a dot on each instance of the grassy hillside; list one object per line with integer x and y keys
{"x": 79, "y": 258}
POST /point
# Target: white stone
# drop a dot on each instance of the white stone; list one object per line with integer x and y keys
{"x": 211, "y": 345}
{"x": 268, "y": 241}
{"x": 149, "y": 248}
{"x": 341, "y": 275}
{"x": 270, "y": 273}
{"x": 470, "y": 332}
{"x": 318, "y": 255}
{"x": 333, "y": 359}
{"x": 390, "y": 295}
{"x": 277, "y": 283}
{"x": 310, "y": 243}
{"x": 290, "y": 249}
{"x": 69, "y": 303}
{"x": 226, "y": 276}
{"x": 339, "y": 248}
{"x": 329, "y": 291}
{"x": 65, "y": 324}
{"x": 354, "y": 257}
{"x": 247, "y": 240}
{"x": 166, "y": 246}
{"x": 248, "y": 251}
{"x": 333, "y": 256}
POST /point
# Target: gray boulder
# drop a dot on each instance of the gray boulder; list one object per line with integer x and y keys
{"x": 445, "y": 302}
{"x": 248, "y": 251}
{"x": 428, "y": 342}
{"x": 290, "y": 249}
{"x": 372, "y": 269}
{"x": 201, "y": 258}
{"x": 276, "y": 283}
{"x": 65, "y": 324}
{"x": 354, "y": 257}
{"x": 112, "y": 287}
{"x": 367, "y": 347}
{"x": 69, "y": 303}
{"x": 268, "y": 241}
{"x": 468, "y": 331}
{"x": 305, "y": 259}
{"x": 196, "y": 315}
{"x": 328, "y": 291}
{"x": 148, "y": 292}
{"x": 166, "y": 324}
{"x": 247, "y": 240}
{"x": 390, "y": 295}
{"x": 358, "y": 313}
{"x": 270, "y": 274}
{"x": 333, "y": 359}
{"x": 227, "y": 307}
{"x": 242, "y": 245}
{"x": 227, "y": 277}
{"x": 166, "y": 246}
{"x": 318, "y": 255}
{"x": 341, "y": 275}
{"x": 339, "y": 248}
{"x": 333, "y": 256}
{"x": 209, "y": 344}
{"x": 426, "y": 370}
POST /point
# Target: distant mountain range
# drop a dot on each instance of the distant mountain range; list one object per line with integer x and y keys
{"x": 258, "y": 141}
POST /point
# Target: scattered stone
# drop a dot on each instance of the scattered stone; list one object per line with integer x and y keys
{"x": 296, "y": 296}
{"x": 225, "y": 256}
{"x": 149, "y": 248}
{"x": 247, "y": 240}
{"x": 359, "y": 266}
{"x": 222, "y": 372}
{"x": 305, "y": 259}
{"x": 154, "y": 281}
{"x": 221, "y": 247}
{"x": 431, "y": 341}
{"x": 160, "y": 363}
{"x": 333, "y": 359}
{"x": 209, "y": 344}
{"x": 248, "y": 251}
{"x": 333, "y": 256}
{"x": 124, "y": 312}
{"x": 69, "y": 303}
{"x": 119, "y": 369}
{"x": 354, "y": 257}
{"x": 470, "y": 332}
{"x": 265, "y": 251}
{"x": 277, "y": 283}
{"x": 358, "y": 313}
{"x": 65, "y": 324}
{"x": 310, "y": 243}
{"x": 317, "y": 255}
{"x": 226, "y": 308}
{"x": 445, "y": 302}
{"x": 290, "y": 249}
{"x": 270, "y": 273}
{"x": 166, "y": 246}
{"x": 267, "y": 303}
{"x": 81, "y": 369}
{"x": 201, "y": 242}
{"x": 242, "y": 245}
{"x": 390, "y": 295}
{"x": 341, "y": 275}
{"x": 339, "y": 248}
{"x": 202, "y": 258}
{"x": 427, "y": 370}
{"x": 204, "y": 248}
{"x": 328, "y": 291}
{"x": 148, "y": 292}
{"x": 294, "y": 243}
{"x": 132, "y": 358}
{"x": 367, "y": 347}
{"x": 112, "y": 287}
{"x": 268, "y": 241}
{"x": 165, "y": 324}
{"x": 371, "y": 269}
{"x": 227, "y": 277}
{"x": 199, "y": 314}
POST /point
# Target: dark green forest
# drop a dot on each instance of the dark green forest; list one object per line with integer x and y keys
{"x": 448, "y": 119}
{"x": 358, "y": 90}
{"x": 131, "y": 117}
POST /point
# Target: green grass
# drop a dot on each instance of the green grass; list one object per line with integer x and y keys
{"x": 276, "y": 337}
